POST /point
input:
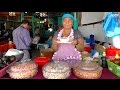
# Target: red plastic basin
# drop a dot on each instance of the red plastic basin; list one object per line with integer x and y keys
{"x": 41, "y": 61}
{"x": 112, "y": 51}
{"x": 88, "y": 49}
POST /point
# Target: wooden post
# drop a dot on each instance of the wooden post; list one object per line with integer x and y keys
{"x": 39, "y": 25}
{"x": 22, "y": 16}
{"x": 75, "y": 24}
{"x": 59, "y": 21}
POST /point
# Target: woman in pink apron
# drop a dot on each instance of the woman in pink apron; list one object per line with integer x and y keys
{"x": 68, "y": 51}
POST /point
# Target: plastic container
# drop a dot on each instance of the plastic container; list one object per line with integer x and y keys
{"x": 114, "y": 68}
{"x": 4, "y": 47}
{"x": 88, "y": 70}
{"x": 85, "y": 54}
{"x": 116, "y": 41}
{"x": 56, "y": 70}
{"x": 111, "y": 52}
{"x": 23, "y": 70}
{"x": 88, "y": 49}
{"x": 41, "y": 61}
{"x": 3, "y": 71}
{"x": 47, "y": 53}
{"x": 11, "y": 46}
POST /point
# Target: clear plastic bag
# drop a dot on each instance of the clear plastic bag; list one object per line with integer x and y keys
{"x": 88, "y": 70}
{"x": 23, "y": 70}
{"x": 111, "y": 26}
{"x": 56, "y": 70}
{"x": 87, "y": 65}
{"x": 116, "y": 41}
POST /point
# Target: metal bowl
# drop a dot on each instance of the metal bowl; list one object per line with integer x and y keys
{"x": 19, "y": 56}
{"x": 17, "y": 53}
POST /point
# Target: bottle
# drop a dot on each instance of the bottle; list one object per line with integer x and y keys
{"x": 100, "y": 61}
{"x": 103, "y": 59}
{"x": 92, "y": 41}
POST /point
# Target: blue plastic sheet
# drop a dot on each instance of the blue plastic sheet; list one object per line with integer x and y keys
{"x": 111, "y": 26}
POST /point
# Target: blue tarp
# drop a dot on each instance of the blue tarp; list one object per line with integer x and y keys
{"x": 111, "y": 26}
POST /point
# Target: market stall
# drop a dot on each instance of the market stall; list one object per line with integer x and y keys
{"x": 42, "y": 67}
{"x": 94, "y": 62}
{"x": 39, "y": 67}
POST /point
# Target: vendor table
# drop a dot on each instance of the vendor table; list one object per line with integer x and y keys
{"x": 106, "y": 74}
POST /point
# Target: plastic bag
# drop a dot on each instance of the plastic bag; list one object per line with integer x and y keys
{"x": 116, "y": 41}
{"x": 11, "y": 52}
{"x": 111, "y": 26}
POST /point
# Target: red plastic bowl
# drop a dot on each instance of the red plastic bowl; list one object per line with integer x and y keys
{"x": 88, "y": 49}
{"x": 41, "y": 61}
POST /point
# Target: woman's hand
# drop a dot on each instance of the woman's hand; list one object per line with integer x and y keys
{"x": 55, "y": 44}
{"x": 74, "y": 42}
{"x": 80, "y": 45}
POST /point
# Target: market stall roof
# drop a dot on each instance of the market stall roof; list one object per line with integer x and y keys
{"x": 9, "y": 13}
{"x": 55, "y": 13}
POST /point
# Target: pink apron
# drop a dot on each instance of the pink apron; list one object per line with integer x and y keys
{"x": 67, "y": 52}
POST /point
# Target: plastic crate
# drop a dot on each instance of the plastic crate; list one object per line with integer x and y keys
{"x": 114, "y": 68}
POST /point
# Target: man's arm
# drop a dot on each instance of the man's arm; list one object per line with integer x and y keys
{"x": 27, "y": 38}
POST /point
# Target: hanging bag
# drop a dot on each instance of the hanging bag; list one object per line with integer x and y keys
{"x": 111, "y": 26}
